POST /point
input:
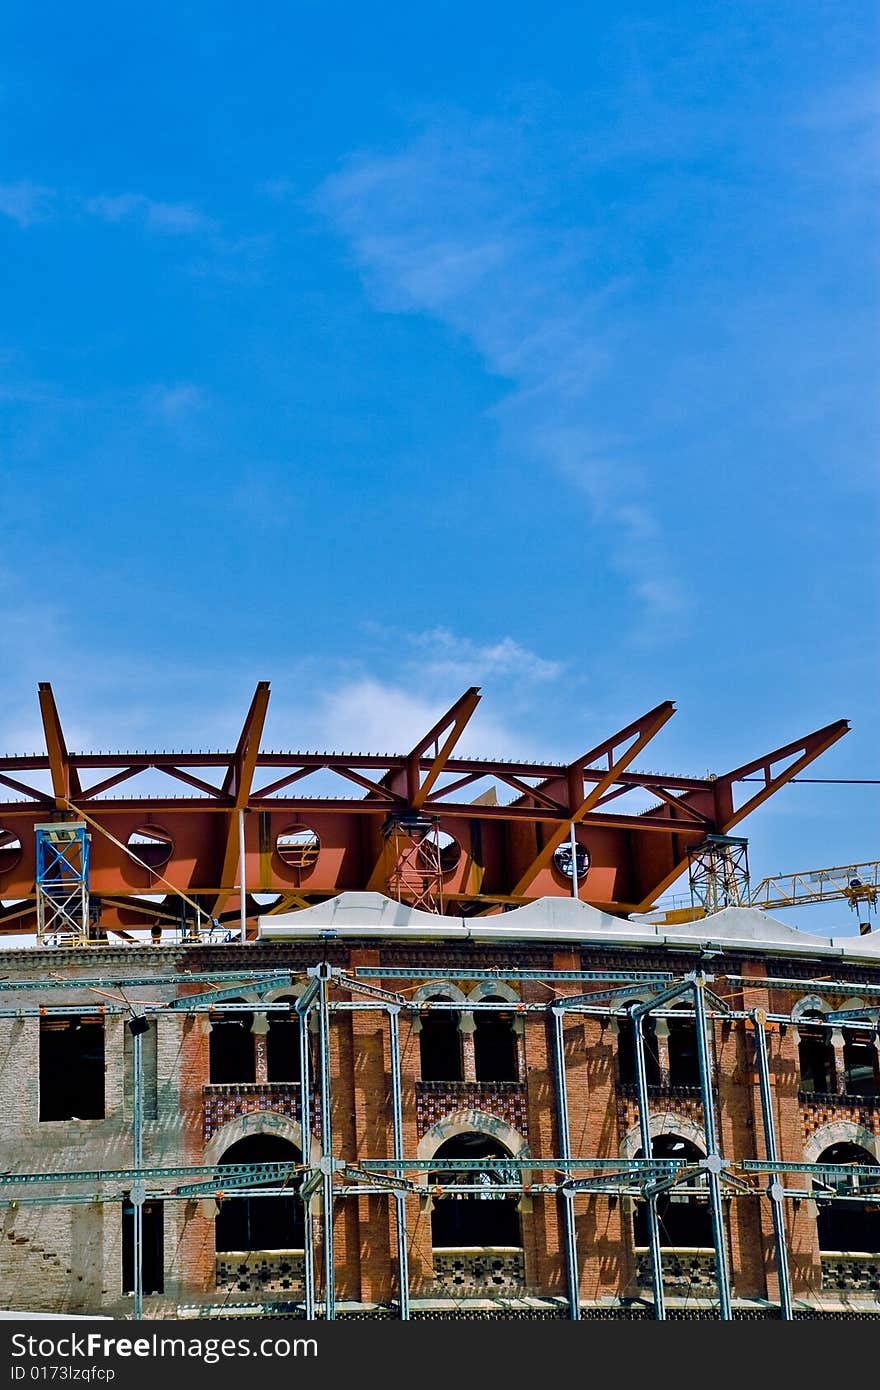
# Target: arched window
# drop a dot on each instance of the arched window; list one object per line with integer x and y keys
{"x": 495, "y": 1050}
{"x": 232, "y": 1046}
{"x": 815, "y": 1054}
{"x": 440, "y": 1045}
{"x": 261, "y": 1223}
{"x": 484, "y": 1219}
{"x": 860, "y": 1063}
{"x": 844, "y": 1223}
{"x": 684, "y": 1065}
{"x": 282, "y": 1043}
{"x": 626, "y": 1052}
{"x": 684, "y": 1218}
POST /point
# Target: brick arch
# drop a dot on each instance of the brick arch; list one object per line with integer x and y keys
{"x": 667, "y": 1123}
{"x": 489, "y": 987}
{"x": 470, "y": 1122}
{"x": 839, "y": 1132}
{"x": 809, "y": 1003}
{"x": 439, "y": 989}
{"x": 268, "y": 1122}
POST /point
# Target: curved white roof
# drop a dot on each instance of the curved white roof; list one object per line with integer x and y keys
{"x": 558, "y": 919}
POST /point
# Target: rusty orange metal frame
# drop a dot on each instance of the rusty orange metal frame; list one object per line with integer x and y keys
{"x": 506, "y": 847}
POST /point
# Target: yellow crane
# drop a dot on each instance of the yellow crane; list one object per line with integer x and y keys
{"x": 859, "y": 884}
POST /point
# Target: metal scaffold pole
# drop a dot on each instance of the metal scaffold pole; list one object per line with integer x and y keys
{"x": 774, "y": 1184}
{"x": 326, "y": 1144}
{"x": 570, "y": 1230}
{"x": 137, "y": 1026}
{"x": 397, "y": 1141}
{"x": 713, "y": 1158}
{"x": 648, "y": 1152}
{"x": 305, "y": 1125}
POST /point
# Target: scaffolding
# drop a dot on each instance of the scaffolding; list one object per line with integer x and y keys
{"x": 718, "y": 873}
{"x": 564, "y": 1175}
{"x": 62, "y": 883}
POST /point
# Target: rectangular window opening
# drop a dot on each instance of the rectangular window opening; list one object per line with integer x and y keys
{"x": 153, "y": 1260}
{"x": 72, "y": 1068}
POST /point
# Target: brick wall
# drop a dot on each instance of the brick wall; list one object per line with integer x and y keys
{"x": 68, "y": 1257}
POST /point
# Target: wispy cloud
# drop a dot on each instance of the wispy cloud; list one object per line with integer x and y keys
{"x": 173, "y": 219}
{"x": 26, "y": 203}
{"x": 448, "y": 654}
{"x": 29, "y": 203}
{"x": 367, "y": 714}
{"x": 455, "y": 226}
{"x": 175, "y": 405}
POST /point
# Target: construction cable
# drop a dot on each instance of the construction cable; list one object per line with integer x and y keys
{"x": 178, "y": 892}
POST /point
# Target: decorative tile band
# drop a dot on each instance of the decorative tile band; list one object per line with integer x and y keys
{"x": 225, "y": 1103}
{"x": 672, "y": 1100}
{"x": 506, "y": 1100}
{"x": 820, "y": 1110}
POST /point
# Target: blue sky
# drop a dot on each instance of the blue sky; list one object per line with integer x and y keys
{"x": 379, "y": 351}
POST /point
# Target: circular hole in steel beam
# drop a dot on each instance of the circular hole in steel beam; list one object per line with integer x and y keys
{"x": 151, "y": 845}
{"x": 562, "y": 860}
{"x": 297, "y": 847}
{"x": 10, "y": 851}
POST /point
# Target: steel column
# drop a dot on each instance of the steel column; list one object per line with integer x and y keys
{"x": 137, "y": 1187}
{"x": 648, "y": 1152}
{"x": 570, "y": 1230}
{"x": 713, "y": 1158}
{"x": 397, "y": 1142}
{"x": 242, "y": 887}
{"x": 774, "y": 1186}
{"x": 326, "y": 1146}
{"x": 305, "y": 1128}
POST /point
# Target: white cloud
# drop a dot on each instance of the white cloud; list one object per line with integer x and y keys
{"x": 379, "y": 716}
{"x": 175, "y": 405}
{"x": 29, "y": 203}
{"x": 158, "y": 216}
{"x": 26, "y": 203}
{"x": 450, "y": 654}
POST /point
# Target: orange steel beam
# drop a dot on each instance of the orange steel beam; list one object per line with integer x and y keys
{"x": 634, "y": 856}
{"x": 727, "y": 816}
{"x": 237, "y": 784}
{"x": 418, "y": 790}
{"x": 65, "y": 779}
{"x": 635, "y": 735}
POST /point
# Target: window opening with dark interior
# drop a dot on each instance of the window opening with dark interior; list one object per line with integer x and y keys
{"x": 815, "y": 1055}
{"x": 684, "y": 1064}
{"x": 860, "y": 1063}
{"x": 71, "y": 1068}
{"x": 626, "y": 1052}
{"x": 848, "y": 1222}
{"x": 153, "y": 1260}
{"x": 231, "y": 1046}
{"x": 262, "y": 1223}
{"x": 282, "y": 1043}
{"x": 495, "y": 1050}
{"x": 440, "y": 1045}
{"x": 480, "y": 1219}
{"x": 683, "y": 1217}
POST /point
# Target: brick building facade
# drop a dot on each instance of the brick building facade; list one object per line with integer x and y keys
{"x": 226, "y": 1081}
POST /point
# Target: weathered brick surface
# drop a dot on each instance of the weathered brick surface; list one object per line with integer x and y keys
{"x": 61, "y": 1257}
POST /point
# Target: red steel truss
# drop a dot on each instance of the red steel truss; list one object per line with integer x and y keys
{"x": 498, "y": 848}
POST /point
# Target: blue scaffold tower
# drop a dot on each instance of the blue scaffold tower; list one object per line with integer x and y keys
{"x": 62, "y": 884}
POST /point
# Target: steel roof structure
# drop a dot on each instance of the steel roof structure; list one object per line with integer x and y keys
{"x": 158, "y": 849}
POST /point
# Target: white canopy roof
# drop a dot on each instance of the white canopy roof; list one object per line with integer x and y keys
{"x": 557, "y": 919}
